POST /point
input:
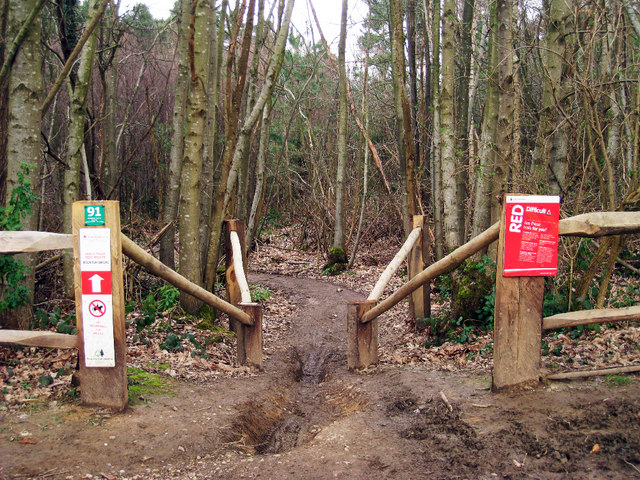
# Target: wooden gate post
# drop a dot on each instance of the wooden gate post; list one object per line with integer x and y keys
{"x": 420, "y": 299}
{"x": 232, "y": 287}
{"x": 99, "y": 293}
{"x": 517, "y": 330}
{"x": 250, "y": 336}
{"x": 362, "y": 338}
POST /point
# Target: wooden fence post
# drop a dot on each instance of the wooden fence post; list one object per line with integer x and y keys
{"x": 420, "y": 299}
{"x": 250, "y": 336}
{"x": 99, "y": 293}
{"x": 232, "y": 287}
{"x": 517, "y": 331}
{"x": 362, "y": 338}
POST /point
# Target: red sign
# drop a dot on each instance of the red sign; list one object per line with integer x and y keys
{"x": 531, "y": 235}
{"x": 96, "y": 283}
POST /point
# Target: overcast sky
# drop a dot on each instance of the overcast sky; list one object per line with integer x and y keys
{"x": 328, "y": 14}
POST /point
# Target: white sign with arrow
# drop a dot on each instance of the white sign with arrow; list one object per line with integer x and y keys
{"x": 97, "y": 299}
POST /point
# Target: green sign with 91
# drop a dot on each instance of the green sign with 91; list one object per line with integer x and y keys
{"x": 93, "y": 215}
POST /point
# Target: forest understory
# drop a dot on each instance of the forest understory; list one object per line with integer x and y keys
{"x": 194, "y": 411}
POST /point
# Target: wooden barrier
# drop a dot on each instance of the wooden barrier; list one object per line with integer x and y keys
{"x": 249, "y": 335}
{"x": 518, "y": 323}
{"x": 107, "y": 386}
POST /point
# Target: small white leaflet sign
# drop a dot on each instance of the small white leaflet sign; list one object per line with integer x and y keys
{"x": 95, "y": 249}
{"x": 97, "y": 328}
{"x": 97, "y": 309}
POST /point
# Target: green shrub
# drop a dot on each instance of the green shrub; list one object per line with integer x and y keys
{"x": 260, "y": 293}
{"x": 13, "y": 273}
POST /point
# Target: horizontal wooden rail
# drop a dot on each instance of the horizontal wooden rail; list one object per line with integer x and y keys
{"x": 392, "y": 268}
{"x": 585, "y": 317}
{"x": 16, "y": 242}
{"x": 454, "y": 259}
{"x": 38, "y": 339}
{"x": 241, "y": 278}
{"x": 600, "y": 224}
{"x": 593, "y": 373}
{"x": 155, "y": 266}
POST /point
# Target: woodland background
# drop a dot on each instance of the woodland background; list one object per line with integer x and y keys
{"x": 222, "y": 111}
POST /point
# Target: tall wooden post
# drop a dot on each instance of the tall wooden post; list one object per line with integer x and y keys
{"x": 99, "y": 293}
{"x": 420, "y": 299}
{"x": 362, "y": 338}
{"x": 517, "y": 331}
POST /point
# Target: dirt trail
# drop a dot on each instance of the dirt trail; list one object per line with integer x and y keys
{"x": 307, "y": 417}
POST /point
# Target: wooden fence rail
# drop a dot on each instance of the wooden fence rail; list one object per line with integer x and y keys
{"x": 15, "y": 242}
{"x": 247, "y": 316}
{"x": 362, "y": 342}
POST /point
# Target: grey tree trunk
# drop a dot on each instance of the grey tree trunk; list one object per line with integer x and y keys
{"x": 338, "y": 232}
{"x": 196, "y": 116}
{"x": 172, "y": 193}
{"x": 77, "y": 121}
{"x": 550, "y": 156}
{"x": 448, "y": 160}
{"x": 23, "y": 133}
{"x": 436, "y": 177}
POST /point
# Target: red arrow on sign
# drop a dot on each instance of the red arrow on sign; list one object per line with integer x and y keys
{"x": 96, "y": 282}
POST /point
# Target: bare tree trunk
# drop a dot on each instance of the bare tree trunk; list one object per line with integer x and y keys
{"x": 172, "y": 193}
{"x": 448, "y": 161}
{"x": 23, "y": 135}
{"x": 406, "y": 141}
{"x": 338, "y": 254}
{"x": 436, "y": 177}
{"x": 196, "y": 115}
{"x": 77, "y": 121}
{"x": 110, "y": 167}
{"x": 258, "y": 195}
{"x": 235, "y": 149}
{"x": 211, "y": 130}
{"x": 365, "y": 167}
{"x": 550, "y": 159}
{"x": 462, "y": 121}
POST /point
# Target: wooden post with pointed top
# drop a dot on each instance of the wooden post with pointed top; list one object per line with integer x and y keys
{"x": 362, "y": 338}
{"x": 420, "y": 299}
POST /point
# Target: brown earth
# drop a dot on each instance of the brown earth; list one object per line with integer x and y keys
{"x": 307, "y": 417}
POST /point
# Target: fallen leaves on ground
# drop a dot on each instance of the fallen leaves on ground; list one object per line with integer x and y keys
{"x": 28, "y": 374}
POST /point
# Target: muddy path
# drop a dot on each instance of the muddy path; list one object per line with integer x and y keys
{"x": 307, "y": 417}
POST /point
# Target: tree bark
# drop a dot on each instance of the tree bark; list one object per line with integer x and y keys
{"x": 196, "y": 115}
{"x": 23, "y": 133}
{"x": 338, "y": 232}
{"x": 448, "y": 162}
{"x": 77, "y": 121}
{"x": 403, "y": 112}
{"x": 172, "y": 193}
{"x": 550, "y": 159}
{"x": 436, "y": 177}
